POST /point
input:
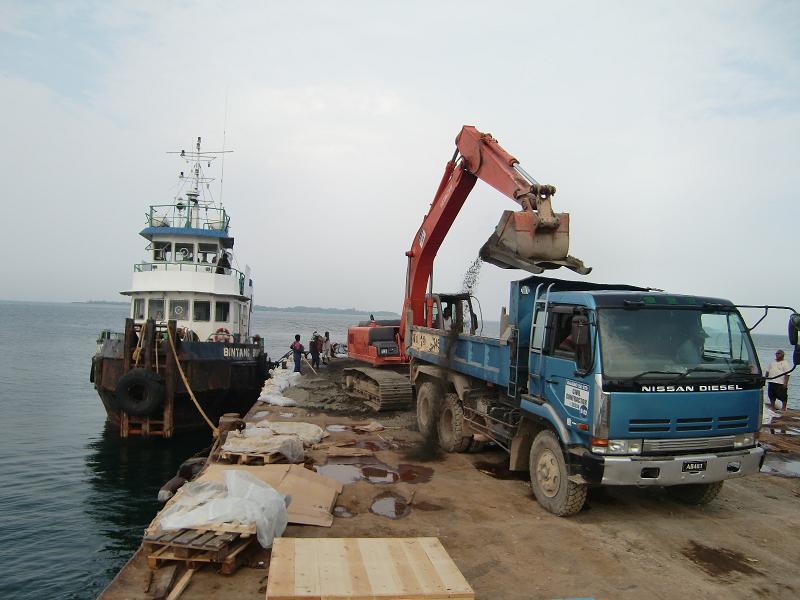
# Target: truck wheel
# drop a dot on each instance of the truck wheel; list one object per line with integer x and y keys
{"x": 429, "y": 402}
{"x": 697, "y": 494}
{"x": 549, "y": 477}
{"x": 451, "y": 426}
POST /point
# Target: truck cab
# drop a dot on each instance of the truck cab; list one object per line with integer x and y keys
{"x": 593, "y": 384}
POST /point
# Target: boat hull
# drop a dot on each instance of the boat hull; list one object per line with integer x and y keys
{"x": 224, "y": 378}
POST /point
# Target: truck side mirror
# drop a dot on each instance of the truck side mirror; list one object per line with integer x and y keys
{"x": 582, "y": 340}
{"x": 796, "y": 355}
{"x": 794, "y": 327}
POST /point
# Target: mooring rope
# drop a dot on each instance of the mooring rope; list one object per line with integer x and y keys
{"x": 214, "y": 430}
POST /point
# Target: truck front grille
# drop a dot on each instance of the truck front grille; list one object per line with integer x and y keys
{"x": 688, "y": 444}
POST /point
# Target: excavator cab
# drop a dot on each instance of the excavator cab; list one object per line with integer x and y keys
{"x": 451, "y": 312}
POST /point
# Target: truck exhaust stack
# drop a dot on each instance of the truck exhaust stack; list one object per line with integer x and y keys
{"x": 522, "y": 240}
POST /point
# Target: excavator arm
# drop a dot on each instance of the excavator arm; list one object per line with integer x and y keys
{"x": 534, "y": 238}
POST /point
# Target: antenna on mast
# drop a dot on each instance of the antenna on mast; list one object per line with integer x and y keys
{"x": 224, "y": 132}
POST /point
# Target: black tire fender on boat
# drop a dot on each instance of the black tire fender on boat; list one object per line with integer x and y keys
{"x": 140, "y": 392}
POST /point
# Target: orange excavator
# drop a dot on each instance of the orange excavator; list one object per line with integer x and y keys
{"x": 534, "y": 239}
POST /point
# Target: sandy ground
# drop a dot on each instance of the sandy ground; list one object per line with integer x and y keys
{"x": 626, "y": 543}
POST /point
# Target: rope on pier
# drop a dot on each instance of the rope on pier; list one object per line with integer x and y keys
{"x": 214, "y": 430}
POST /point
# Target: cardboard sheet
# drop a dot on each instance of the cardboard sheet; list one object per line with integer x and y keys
{"x": 313, "y": 495}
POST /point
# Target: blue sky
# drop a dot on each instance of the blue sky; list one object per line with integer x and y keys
{"x": 669, "y": 128}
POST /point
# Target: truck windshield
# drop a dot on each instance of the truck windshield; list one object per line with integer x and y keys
{"x": 667, "y": 344}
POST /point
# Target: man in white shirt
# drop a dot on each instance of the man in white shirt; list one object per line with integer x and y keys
{"x": 778, "y": 380}
{"x": 447, "y": 321}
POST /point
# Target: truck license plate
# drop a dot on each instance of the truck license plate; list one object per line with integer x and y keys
{"x": 694, "y": 466}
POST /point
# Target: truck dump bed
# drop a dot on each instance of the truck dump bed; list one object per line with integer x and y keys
{"x": 485, "y": 358}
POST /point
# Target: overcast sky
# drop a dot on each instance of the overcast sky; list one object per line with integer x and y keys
{"x": 671, "y": 130}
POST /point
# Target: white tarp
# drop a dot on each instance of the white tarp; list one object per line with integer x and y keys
{"x": 261, "y": 440}
{"x": 309, "y": 433}
{"x": 243, "y": 498}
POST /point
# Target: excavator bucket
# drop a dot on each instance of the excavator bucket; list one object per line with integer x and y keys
{"x": 521, "y": 242}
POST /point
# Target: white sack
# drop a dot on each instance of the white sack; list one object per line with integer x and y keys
{"x": 309, "y": 433}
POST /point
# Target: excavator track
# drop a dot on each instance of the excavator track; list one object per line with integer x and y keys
{"x": 380, "y": 389}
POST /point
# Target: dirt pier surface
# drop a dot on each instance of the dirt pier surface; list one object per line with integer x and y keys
{"x": 626, "y": 543}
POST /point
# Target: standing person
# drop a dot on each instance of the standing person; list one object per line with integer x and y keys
{"x": 326, "y": 348}
{"x": 223, "y": 264}
{"x": 778, "y": 380}
{"x": 297, "y": 352}
{"x": 314, "y": 347}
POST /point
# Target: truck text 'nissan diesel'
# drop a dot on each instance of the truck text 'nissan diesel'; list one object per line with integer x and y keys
{"x": 591, "y": 384}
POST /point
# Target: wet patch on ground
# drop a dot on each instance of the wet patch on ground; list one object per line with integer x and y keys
{"x": 390, "y": 505}
{"x": 382, "y": 444}
{"x": 336, "y": 428}
{"x": 351, "y": 469}
{"x": 426, "y": 451}
{"x": 718, "y": 562}
{"x": 343, "y": 512}
{"x": 501, "y": 471}
{"x": 428, "y": 506}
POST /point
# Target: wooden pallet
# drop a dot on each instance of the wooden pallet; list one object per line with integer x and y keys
{"x": 782, "y": 433}
{"x": 195, "y": 547}
{"x": 252, "y": 458}
{"x": 363, "y": 568}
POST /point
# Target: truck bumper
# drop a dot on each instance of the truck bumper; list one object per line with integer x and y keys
{"x": 655, "y": 470}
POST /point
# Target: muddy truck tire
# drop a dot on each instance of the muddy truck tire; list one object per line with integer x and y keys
{"x": 697, "y": 494}
{"x": 451, "y": 428}
{"x": 549, "y": 477}
{"x": 429, "y": 403}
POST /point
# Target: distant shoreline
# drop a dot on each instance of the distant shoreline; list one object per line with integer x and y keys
{"x": 329, "y": 311}
{"x": 293, "y": 309}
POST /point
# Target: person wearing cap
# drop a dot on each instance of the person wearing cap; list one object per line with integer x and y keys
{"x": 778, "y": 380}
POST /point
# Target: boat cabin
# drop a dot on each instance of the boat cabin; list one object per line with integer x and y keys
{"x": 188, "y": 276}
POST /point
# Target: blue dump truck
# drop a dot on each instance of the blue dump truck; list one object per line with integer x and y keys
{"x": 593, "y": 384}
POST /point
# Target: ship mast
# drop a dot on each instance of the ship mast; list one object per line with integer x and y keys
{"x": 196, "y": 179}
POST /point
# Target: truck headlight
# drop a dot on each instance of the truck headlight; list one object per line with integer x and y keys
{"x": 744, "y": 440}
{"x": 601, "y": 446}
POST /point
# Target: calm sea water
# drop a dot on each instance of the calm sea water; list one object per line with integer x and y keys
{"x": 74, "y": 497}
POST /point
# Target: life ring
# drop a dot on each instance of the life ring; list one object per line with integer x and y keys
{"x": 222, "y": 335}
{"x": 140, "y": 392}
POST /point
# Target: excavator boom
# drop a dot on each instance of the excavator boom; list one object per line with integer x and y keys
{"x": 534, "y": 238}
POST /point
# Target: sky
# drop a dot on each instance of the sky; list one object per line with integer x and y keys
{"x": 670, "y": 129}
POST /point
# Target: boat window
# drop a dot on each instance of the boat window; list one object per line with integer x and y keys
{"x": 202, "y": 310}
{"x": 179, "y": 309}
{"x": 222, "y": 312}
{"x": 237, "y": 313}
{"x": 138, "y": 308}
{"x": 162, "y": 251}
{"x": 155, "y": 309}
{"x": 184, "y": 252}
{"x": 207, "y": 253}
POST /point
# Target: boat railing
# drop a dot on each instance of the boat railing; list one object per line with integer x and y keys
{"x": 190, "y": 267}
{"x": 183, "y": 214}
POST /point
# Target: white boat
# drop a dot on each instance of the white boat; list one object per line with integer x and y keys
{"x": 187, "y": 288}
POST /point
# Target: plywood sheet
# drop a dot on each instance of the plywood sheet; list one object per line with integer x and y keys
{"x": 313, "y": 495}
{"x": 363, "y": 568}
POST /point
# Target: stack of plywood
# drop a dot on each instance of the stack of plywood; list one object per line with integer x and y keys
{"x": 363, "y": 568}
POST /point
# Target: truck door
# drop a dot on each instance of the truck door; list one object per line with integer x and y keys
{"x": 536, "y": 374}
{"x": 568, "y": 392}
